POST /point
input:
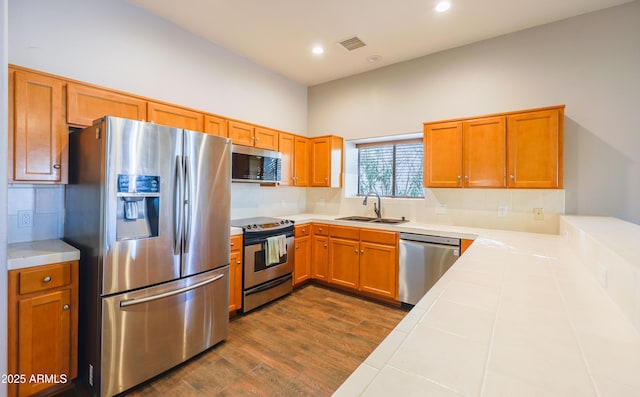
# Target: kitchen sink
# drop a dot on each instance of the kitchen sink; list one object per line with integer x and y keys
{"x": 356, "y": 218}
{"x": 372, "y": 220}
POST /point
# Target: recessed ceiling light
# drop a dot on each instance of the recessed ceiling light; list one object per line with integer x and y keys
{"x": 318, "y": 50}
{"x": 374, "y": 58}
{"x": 443, "y": 6}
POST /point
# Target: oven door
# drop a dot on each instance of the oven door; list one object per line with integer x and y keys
{"x": 257, "y": 272}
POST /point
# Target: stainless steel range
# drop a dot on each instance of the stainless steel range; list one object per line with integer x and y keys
{"x": 268, "y": 260}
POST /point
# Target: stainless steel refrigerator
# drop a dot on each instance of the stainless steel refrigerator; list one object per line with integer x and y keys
{"x": 148, "y": 207}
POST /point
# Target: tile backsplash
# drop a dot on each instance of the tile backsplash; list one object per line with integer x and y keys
{"x": 487, "y": 208}
{"x": 507, "y": 209}
{"x": 42, "y": 205}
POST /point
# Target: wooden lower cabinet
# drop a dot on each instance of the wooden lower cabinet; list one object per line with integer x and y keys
{"x": 319, "y": 257}
{"x": 43, "y": 328}
{"x": 365, "y": 260}
{"x": 302, "y": 260}
{"x": 344, "y": 262}
{"x": 378, "y": 269}
{"x": 235, "y": 274}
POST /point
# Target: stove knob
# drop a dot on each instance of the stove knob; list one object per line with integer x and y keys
{"x": 282, "y": 222}
{"x": 255, "y": 226}
{"x": 248, "y": 227}
{"x": 286, "y": 221}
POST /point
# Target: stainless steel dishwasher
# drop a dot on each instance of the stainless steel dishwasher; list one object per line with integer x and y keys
{"x": 423, "y": 260}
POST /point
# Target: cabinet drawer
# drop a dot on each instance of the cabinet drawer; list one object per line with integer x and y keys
{"x": 320, "y": 229}
{"x": 236, "y": 242}
{"x": 378, "y": 236}
{"x": 44, "y": 277}
{"x": 302, "y": 230}
{"x": 352, "y": 233}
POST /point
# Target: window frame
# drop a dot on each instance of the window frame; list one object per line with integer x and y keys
{"x": 393, "y": 144}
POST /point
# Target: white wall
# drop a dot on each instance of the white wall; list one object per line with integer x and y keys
{"x": 117, "y": 45}
{"x": 4, "y": 89}
{"x": 589, "y": 62}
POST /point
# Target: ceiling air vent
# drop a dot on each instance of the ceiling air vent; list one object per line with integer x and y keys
{"x": 352, "y": 43}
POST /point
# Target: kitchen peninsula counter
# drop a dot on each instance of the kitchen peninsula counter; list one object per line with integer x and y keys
{"x": 519, "y": 314}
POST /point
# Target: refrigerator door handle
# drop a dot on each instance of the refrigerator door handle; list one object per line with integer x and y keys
{"x": 177, "y": 205}
{"x": 131, "y": 302}
{"x": 187, "y": 205}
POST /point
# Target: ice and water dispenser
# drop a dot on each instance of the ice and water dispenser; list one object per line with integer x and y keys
{"x": 138, "y": 206}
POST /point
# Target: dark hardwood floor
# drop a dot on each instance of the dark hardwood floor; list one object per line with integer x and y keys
{"x": 305, "y": 344}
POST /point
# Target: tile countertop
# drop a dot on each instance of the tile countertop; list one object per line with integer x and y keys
{"x": 41, "y": 252}
{"x": 518, "y": 314}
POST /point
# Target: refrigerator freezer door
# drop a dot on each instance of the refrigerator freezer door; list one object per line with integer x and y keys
{"x": 207, "y": 212}
{"x": 141, "y": 153}
{"x": 145, "y": 332}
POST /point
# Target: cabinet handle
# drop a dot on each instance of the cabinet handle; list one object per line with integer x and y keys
{"x": 238, "y": 262}
{"x": 362, "y": 251}
{"x": 297, "y": 246}
{"x": 511, "y": 177}
{"x": 325, "y": 246}
{"x": 326, "y": 179}
{"x": 459, "y": 179}
{"x": 466, "y": 177}
{"x": 232, "y": 244}
{"x": 46, "y": 279}
{"x": 65, "y": 307}
{"x": 320, "y": 229}
{"x": 356, "y": 251}
{"x": 57, "y": 166}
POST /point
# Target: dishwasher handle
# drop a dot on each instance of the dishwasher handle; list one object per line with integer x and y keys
{"x": 454, "y": 248}
{"x": 425, "y": 238}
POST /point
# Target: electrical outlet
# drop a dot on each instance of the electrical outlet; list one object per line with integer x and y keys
{"x": 25, "y": 218}
{"x": 502, "y": 211}
{"x": 538, "y": 214}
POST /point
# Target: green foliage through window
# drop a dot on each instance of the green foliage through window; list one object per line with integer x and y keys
{"x": 393, "y": 170}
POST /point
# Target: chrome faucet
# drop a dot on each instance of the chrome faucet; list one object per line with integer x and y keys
{"x": 378, "y": 209}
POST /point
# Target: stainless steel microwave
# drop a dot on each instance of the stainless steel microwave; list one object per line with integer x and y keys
{"x": 255, "y": 165}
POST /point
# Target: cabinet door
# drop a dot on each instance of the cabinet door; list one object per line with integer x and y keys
{"x": 379, "y": 269}
{"x": 485, "y": 152}
{"x": 235, "y": 281}
{"x": 302, "y": 261}
{"x": 320, "y": 161}
{"x": 86, "y": 104}
{"x": 535, "y": 155}
{"x": 443, "y": 155}
{"x": 301, "y": 161}
{"x": 44, "y": 338}
{"x": 215, "y": 126}
{"x": 265, "y": 138}
{"x": 39, "y": 139}
{"x": 319, "y": 257}
{"x": 286, "y": 148}
{"x": 344, "y": 259}
{"x": 241, "y": 133}
{"x": 174, "y": 116}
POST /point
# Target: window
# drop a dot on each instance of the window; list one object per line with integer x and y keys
{"x": 392, "y": 169}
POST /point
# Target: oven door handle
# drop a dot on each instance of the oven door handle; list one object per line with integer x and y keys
{"x": 269, "y": 285}
{"x": 131, "y": 302}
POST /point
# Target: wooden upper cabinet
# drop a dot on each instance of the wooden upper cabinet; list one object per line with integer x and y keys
{"x": 39, "y": 140}
{"x": 250, "y": 135}
{"x": 484, "y": 152}
{"x": 215, "y": 125}
{"x": 175, "y": 116}
{"x": 326, "y": 161}
{"x": 241, "y": 133}
{"x": 86, "y": 104}
{"x": 522, "y": 149}
{"x": 286, "y": 148}
{"x": 265, "y": 138}
{"x": 301, "y": 161}
{"x": 536, "y": 149}
{"x": 443, "y": 155}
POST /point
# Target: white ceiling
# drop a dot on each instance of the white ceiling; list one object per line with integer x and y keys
{"x": 279, "y": 34}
